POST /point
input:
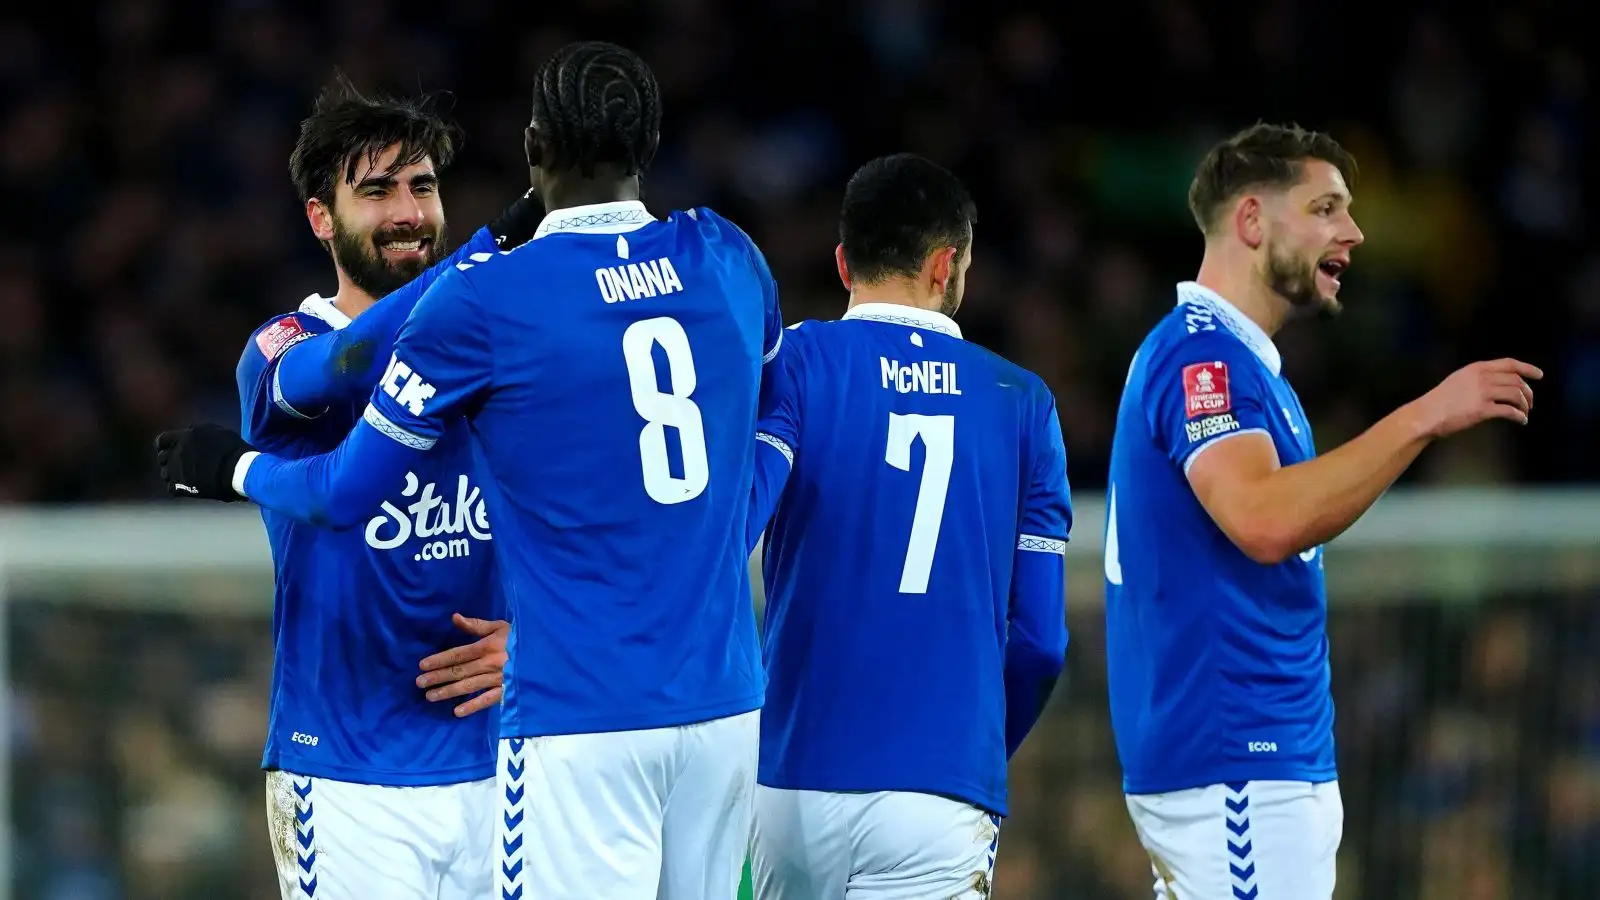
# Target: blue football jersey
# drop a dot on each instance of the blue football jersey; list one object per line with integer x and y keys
{"x": 927, "y": 474}
{"x": 609, "y": 370}
{"x": 355, "y": 610}
{"x": 1218, "y": 665}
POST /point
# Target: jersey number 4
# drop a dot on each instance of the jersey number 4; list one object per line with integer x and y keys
{"x": 661, "y": 411}
{"x": 938, "y": 435}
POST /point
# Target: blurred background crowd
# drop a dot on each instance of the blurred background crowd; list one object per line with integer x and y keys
{"x": 152, "y": 226}
{"x": 1468, "y": 748}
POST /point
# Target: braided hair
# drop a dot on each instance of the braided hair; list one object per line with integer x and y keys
{"x": 594, "y": 104}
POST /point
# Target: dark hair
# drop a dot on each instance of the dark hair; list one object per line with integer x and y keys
{"x": 596, "y": 103}
{"x": 1261, "y": 156}
{"x": 346, "y": 128}
{"x": 898, "y": 209}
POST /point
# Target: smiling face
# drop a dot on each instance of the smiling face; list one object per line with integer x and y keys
{"x": 386, "y": 223}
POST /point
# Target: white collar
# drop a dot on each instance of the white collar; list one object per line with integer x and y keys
{"x": 615, "y": 217}
{"x": 1237, "y": 322}
{"x": 323, "y": 308}
{"x": 900, "y": 314}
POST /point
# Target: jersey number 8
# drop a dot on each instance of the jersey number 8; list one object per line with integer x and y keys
{"x": 661, "y": 411}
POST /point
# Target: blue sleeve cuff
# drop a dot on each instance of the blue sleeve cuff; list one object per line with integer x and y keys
{"x": 774, "y": 461}
{"x": 335, "y": 490}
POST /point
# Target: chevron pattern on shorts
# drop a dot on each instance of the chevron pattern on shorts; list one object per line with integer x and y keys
{"x": 1241, "y": 849}
{"x": 305, "y": 835}
{"x": 513, "y": 791}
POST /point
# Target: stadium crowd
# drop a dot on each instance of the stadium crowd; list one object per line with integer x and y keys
{"x": 153, "y": 225}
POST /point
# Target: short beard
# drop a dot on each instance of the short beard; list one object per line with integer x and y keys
{"x": 363, "y": 263}
{"x": 1296, "y": 282}
{"x": 951, "y": 301}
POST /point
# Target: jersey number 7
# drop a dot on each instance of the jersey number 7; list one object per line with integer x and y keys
{"x": 938, "y": 435}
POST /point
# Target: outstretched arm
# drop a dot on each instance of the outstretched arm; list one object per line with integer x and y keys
{"x": 341, "y": 366}
{"x": 441, "y": 362}
{"x": 1211, "y": 412}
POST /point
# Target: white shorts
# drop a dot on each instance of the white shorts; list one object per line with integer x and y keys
{"x": 627, "y": 815}
{"x": 1257, "y": 840}
{"x": 814, "y": 845}
{"x": 335, "y": 840}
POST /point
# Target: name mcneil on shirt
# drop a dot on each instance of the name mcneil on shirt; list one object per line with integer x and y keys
{"x": 925, "y": 377}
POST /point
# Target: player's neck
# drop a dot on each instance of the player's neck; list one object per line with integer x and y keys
{"x": 565, "y": 193}
{"x": 351, "y": 300}
{"x": 893, "y": 294}
{"x": 1244, "y": 290}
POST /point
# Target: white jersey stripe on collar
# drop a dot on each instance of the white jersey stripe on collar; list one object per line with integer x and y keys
{"x": 1237, "y": 322}
{"x": 596, "y": 218}
{"x": 901, "y": 314}
{"x": 323, "y": 308}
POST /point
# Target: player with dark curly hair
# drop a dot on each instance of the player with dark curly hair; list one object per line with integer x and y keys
{"x": 369, "y": 785}
{"x": 608, "y": 371}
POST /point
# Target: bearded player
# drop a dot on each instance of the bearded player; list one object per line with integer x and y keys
{"x": 1218, "y": 510}
{"x": 609, "y": 370}
{"x": 373, "y": 791}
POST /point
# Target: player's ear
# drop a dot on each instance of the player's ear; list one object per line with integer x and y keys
{"x": 942, "y": 267}
{"x": 320, "y": 215}
{"x": 531, "y": 147}
{"x": 1247, "y": 222}
{"x": 844, "y": 268}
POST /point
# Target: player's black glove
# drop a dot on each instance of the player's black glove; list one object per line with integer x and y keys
{"x": 199, "y": 461}
{"x": 516, "y": 225}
